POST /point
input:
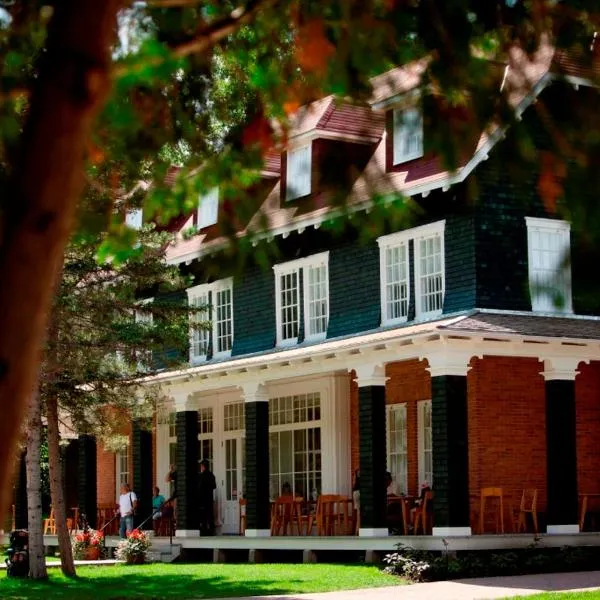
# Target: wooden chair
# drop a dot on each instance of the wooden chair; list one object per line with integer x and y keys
{"x": 492, "y": 498}
{"x": 528, "y": 506}
{"x": 50, "y": 524}
{"x": 398, "y": 512}
{"x": 423, "y": 515}
{"x": 331, "y": 516}
{"x": 284, "y": 515}
{"x": 243, "y": 504}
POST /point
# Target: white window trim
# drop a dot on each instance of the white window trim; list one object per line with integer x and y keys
{"x": 212, "y": 217}
{"x": 390, "y": 408}
{"x": 291, "y": 193}
{"x": 296, "y": 265}
{"x": 553, "y": 226}
{"x": 421, "y": 442}
{"x": 119, "y": 472}
{"x": 403, "y": 238}
{"x": 210, "y": 290}
{"x": 398, "y": 158}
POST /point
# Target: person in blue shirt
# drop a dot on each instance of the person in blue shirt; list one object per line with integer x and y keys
{"x": 157, "y": 501}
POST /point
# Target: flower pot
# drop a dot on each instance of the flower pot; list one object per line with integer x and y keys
{"x": 92, "y": 553}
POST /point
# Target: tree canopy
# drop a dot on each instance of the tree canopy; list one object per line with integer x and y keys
{"x": 107, "y": 95}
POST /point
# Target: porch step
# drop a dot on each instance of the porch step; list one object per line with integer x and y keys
{"x": 165, "y": 553}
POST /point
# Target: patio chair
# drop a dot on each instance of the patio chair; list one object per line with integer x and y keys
{"x": 50, "y": 524}
{"x": 284, "y": 515}
{"x": 423, "y": 516}
{"x": 492, "y": 501}
{"x": 332, "y": 515}
{"x": 528, "y": 506}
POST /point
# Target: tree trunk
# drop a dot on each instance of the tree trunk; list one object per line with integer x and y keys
{"x": 57, "y": 490}
{"x": 48, "y": 176}
{"x": 37, "y": 560}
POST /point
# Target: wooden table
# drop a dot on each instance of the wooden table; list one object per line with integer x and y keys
{"x": 584, "y": 506}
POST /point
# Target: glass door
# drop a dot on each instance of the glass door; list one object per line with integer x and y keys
{"x": 234, "y": 482}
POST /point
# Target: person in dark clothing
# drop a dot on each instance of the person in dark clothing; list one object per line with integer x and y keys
{"x": 206, "y": 488}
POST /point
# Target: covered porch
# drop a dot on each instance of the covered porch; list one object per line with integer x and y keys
{"x": 464, "y": 404}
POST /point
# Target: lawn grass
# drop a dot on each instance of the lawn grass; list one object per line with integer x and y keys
{"x": 157, "y": 581}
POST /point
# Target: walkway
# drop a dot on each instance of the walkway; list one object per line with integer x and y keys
{"x": 464, "y": 589}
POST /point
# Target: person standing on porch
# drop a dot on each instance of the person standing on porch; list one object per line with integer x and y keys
{"x": 127, "y": 505}
{"x": 206, "y": 489}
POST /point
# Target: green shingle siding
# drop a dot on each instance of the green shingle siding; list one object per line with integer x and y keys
{"x": 459, "y": 244}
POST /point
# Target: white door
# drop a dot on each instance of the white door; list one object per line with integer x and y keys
{"x": 233, "y": 483}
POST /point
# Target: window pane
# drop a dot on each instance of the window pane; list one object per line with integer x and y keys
{"x": 289, "y": 305}
{"x": 318, "y": 302}
{"x": 396, "y": 282}
{"x": 430, "y": 277}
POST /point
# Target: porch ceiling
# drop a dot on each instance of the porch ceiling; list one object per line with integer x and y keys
{"x": 478, "y": 333}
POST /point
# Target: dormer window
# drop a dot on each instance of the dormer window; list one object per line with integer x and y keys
{"x": 298, "y": 174}
{"x": 208, "y": 208}
{"x": 408, "y": 134}
{"x": 133, "y": 218}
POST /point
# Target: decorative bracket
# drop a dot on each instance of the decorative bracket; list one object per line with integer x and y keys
{"x": 561, "y": 368}
{"x": 370, "y": 374}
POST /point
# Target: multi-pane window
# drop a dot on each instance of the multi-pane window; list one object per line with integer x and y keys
{"x": 429, "y": 273}
{"x": 425, "y": 441}
{"x": 397, "y": 445}
{"x": 298, "y": 173}
{"x": 426, "y": 244}
{"x": 172, "y": 447}
{"x": 302, "y": 297}
{"x": 234, "y": 417}
{"x": 548, "y": 244}
{"x": 408, "y": 134}
{"x": 295, "y": 445}
{"x": 199, "y": 323}
{"x": 289, "y": 306}
{"x": 223, "y": 317}
{"x": 122, "y": 468}
{"x": 316, "y": 283}
{"x": 213, "y": 321}
{"x": 208, "y": 208}
{"x": 395, "y": 288}
{"x": 205, "y": 435}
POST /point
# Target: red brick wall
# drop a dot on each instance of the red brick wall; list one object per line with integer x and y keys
{"x": 408, "y": 382}
{"x": 587, "y": 391}
{"x": 507, "y": 427}
{"x": 105, "y": 465}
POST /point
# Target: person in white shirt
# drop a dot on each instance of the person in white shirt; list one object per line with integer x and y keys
{"x": 127, "y": 505}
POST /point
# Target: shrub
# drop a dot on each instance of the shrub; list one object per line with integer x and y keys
{"x": 408, "y": 563}
{"x": 134, "y": 549}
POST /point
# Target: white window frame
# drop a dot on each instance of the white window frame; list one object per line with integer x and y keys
{"x": 208, "y": 208}
{"x": 403, "y": 238}
{"x": 134, "y": 218}
{"x": 401, "y": 481}
{"x": 389, "y": 243}
{"x": 206, "y": 414}
{"x": 542, "y": 302}
{"x": 399, "y": 130}
{"x": 119, "y": 472}
{"x": 293, "y": 188}
{"x": 301, "y": 267}
{"x": 424, "y": 474}
{"x": 210, "y": 291}
{"x": 283, "y": 424}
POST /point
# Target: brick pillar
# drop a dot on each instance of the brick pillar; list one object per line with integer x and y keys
{"x": 188, "y": 518}
{"x": 141, "y": 443}
{"x": 561, "y": 446}
{"x": 258, "y": 518}
{"x": 450, "y": 455}
{"x": 372, "y": 450}
{"x": 87, "y": 478}
{"x": 20, "y": 497}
